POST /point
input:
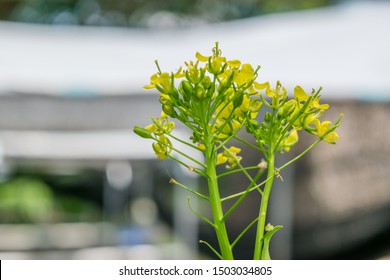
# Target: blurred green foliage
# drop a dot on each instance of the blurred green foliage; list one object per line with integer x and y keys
{"x": 25, "y": 200}
{"x": 144, "y": 13}
{"x": 31, "y": 200}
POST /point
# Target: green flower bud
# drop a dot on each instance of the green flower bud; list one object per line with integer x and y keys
{"x": 238, "y": 98}
{"x": 168, "y": 109}
{"x": 199, "y": 92}
{"x": 288, "y": 108}
{"x": 165, "y": 99}
{"x": 140, "y": 131}
{"x": 268, "y": 117}
{"x": 254, "y": 124}
{"x": 206, "y": 82}
{"x": 186, "y": 88}
{"x": 211, "y": 90}
{"x": 174, "y": 93}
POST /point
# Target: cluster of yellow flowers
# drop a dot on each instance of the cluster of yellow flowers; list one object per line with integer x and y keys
{"x": 215, "y": 96}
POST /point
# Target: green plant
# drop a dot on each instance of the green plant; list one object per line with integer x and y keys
{"x": 216, "y": 98}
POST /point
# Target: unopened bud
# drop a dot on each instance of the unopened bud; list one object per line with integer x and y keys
{"x": 263, "y": 164}
{"x": 238, "y": 98}
{"x": 142, "y": 132}
{"x": 268, "y": 117}
{"x": 199, "y": 92}
{"x": 168, "y": 109}
{"x": 186, "y": 88}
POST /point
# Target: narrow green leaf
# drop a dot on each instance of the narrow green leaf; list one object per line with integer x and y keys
{"x": 212, "y": 249}
{"x": 267, "y": 238}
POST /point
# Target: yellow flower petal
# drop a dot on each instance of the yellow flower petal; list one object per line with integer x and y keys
{"x": 245, "y": 75}
{"x": 234, "y": 150}
{"x": 202, "y": 147}
{"x": 151, "y": 128}
{"x": 149, "y": 86}
{"x": 270, "y": 92}
{"x": 179, "y": 73}
{"x": 221, "y": 159}
{"x": 291, "y": 140}
{"x": 202, "y": 58}
{"x": 234, "y": 63}
{"x": 300, "y": 94}
{"x": 261, "y": 86}
{"x": 251, "y": 90}
{"x": 332, "y": 137}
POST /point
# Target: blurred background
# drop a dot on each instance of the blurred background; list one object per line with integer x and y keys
{"x": 75, "y": 183}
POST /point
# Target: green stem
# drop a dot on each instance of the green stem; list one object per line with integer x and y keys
{"x": 237, "y": 171}
{"x": 173, "y": 181}
{"x": 242, "y": 197}
{"x": 216, "y": 205}
{"x": 263, "y": 207}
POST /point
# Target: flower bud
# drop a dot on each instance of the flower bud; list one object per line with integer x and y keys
{"x": 165, "y": 99}
{"x": 206, "y": 82}
{"x": 288, "y": 107}
{"x": 174, "y": 93}
{"x": 142, "y": 132}
{"x": 199, "y": 92}
{"x": 185, "y": 88}
{"x": 268, "y": 117}
{"x": 168, "y": 109}
{"x": 253, "y": 124}
{"x": 238, "y": 98}
{"x": 211, "y": 90}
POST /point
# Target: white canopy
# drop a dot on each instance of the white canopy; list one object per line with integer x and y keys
{"x": 345, "y": 49}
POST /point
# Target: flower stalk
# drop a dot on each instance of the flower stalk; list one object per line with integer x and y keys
{"x": 216, "y": 206}
{"x": 263, "y": 209}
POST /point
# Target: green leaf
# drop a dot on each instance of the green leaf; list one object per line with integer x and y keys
{"x": 267, "y": 238}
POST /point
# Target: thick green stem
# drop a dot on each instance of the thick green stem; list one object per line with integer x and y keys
{"x": 216, "y": 206}
{"x": 263, "y": 208}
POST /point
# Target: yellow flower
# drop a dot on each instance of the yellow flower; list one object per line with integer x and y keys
{"x": 261, "y": 86}
{"x": 234, "y": 150}
{"x": 163, "y": 148}
{"x": 223, "y": 129}
{"x": 245, "y": 75}
{"x": 216, "y": 64}
{"x": 255, "y": 106}
{"x": 323, "y": 128}
{"x": 153, "y": 82}
{"x": 221, "y": 159}
{"x": 316, "y": 104}
{"x": 193, "y": 72}
{"x": 223, "y": 111}
{"x": 161, "y": 125}
{"x": 290, "y": 141}
{"x": 229, "y": 155}
{"x": 151, "y": 128}
{"x": 201, "y": 57}
{"x": 233, "y": 63}
{"x": 179, "y": 73}
{"x": 300, "y": 94}
{"x": 202, "y": 147}
{"x": 162, "y": 80}
{"x": 247, "y": 104}
{"x": 232, "y": 157}
{"x": 270, "y": 92}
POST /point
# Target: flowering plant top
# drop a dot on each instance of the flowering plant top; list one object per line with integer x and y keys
{"x": 216, "y": 98}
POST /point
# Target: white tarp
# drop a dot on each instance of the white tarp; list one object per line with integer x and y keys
{"x": 345, "y": 49}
